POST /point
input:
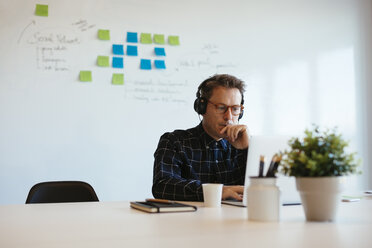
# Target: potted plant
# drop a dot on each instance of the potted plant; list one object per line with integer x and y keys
{"x": 319, "y": 162}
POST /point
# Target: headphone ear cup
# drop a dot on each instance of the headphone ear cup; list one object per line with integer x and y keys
{"x": 200, "y": 105}
{"x": 241, "y": 115}
{"x": 242, "y": 103}
{"x": 196, "y": 105}
{"x": 203, "y": 105}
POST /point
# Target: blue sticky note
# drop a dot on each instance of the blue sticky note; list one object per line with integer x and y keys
{"x": 159, "y": 51}
{"x": 145, "y": 64}
{"x": 132, "y": 50}
{"x": 159, "y": 64}
{"x": 132, "y": 37}
{"x": 117, "y": 62}
{"x": 118, "y": 49}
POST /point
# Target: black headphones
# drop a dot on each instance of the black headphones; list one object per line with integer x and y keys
{"x": 200, "y": 103}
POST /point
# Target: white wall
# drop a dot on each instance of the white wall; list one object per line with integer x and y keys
{"x": 304, "y": 62}
{"x": 364, "y": 76}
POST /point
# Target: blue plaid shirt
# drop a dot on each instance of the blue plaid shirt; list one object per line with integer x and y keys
{"x": 185, "y": 159}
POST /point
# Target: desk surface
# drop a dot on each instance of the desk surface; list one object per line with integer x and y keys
{"x": 115, "y": 224}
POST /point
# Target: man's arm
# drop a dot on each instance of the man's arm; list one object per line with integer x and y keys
{"x": 168, "y": 182}
{"x": 237, "y": 135}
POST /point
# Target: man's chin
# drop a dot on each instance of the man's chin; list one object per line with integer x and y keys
{"x": 221, "y": 136}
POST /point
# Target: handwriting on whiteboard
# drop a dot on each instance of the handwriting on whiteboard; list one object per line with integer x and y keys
{"x": 158, "y": 91}
{"x": 52, "y": 48}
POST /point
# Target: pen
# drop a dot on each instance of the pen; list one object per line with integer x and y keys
{"x": 276, "y": 164}
{"x": 160, "y": 201}
{"x": 271, "y": 167}
{"x": 350, "y": 199}
{"x": 262, "y": 164}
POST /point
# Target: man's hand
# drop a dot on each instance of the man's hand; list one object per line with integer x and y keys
{"x": 237, "y": 135}
{"x": 235, "y": 192}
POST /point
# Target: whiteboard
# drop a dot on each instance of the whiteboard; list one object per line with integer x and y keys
{"x": 54, "y": 127}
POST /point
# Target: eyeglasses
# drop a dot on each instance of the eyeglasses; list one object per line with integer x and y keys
{"x": 222, "y": 108}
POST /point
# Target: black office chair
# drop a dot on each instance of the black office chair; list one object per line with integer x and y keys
{"x": 61, "y": 191}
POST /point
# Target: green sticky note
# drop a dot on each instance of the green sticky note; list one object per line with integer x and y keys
{"x": 41, "y": 10}
{"x": 159, "y": 38}
{"x": 146, "y": 38}
{"x": 103, "y": 61}
{"x": 118, "y": 78}
{"x": 103, "y": 34}
{"x": 174, "y": 40}
{"x": 85, "y": 76}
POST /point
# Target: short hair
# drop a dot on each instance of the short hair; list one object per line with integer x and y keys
{"x": 219, "y": 80}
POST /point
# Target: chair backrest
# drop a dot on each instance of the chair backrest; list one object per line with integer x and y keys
{"x": 61, "y": 191}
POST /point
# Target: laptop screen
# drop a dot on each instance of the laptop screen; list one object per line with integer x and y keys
{"x": 268, "y": 146}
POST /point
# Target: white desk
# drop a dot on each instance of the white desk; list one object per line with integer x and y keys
{"x": 115, "y": 224}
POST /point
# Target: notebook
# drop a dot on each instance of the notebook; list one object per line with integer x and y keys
{"x": 268, "y": 146}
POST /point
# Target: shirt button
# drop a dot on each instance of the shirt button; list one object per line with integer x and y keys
{"x": 216, "y": 161}
{"x": 207, "y": 147}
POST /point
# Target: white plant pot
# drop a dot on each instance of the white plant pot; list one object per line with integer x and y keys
{"x": 320, "y": 196}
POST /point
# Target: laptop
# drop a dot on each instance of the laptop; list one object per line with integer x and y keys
{"x": 268, "y": 146}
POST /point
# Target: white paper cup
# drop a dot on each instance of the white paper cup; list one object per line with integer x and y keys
{"x": 212, "y": 193}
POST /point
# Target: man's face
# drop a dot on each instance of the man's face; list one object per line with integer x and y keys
{"x": 214, "y": 122}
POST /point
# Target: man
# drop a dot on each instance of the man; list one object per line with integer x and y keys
{"x": 215, "y": 151}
